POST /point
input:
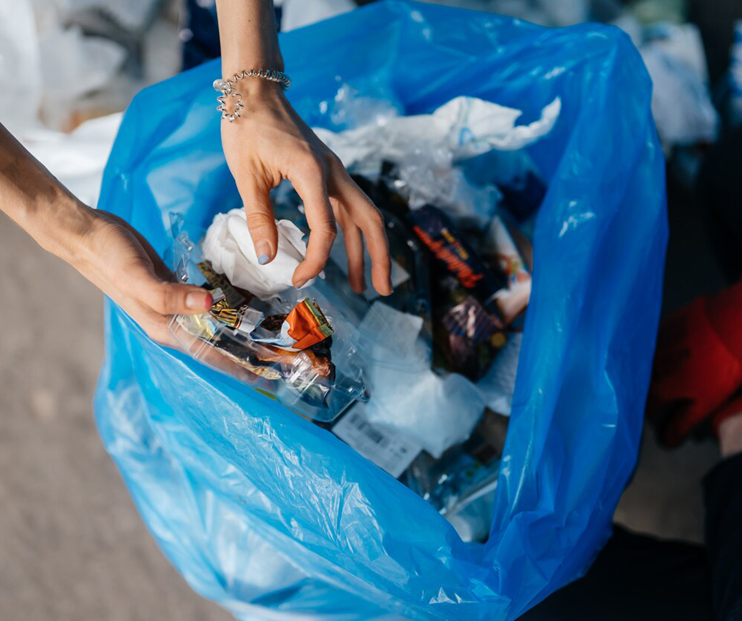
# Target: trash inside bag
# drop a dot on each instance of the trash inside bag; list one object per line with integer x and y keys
{"x": 415, "y": 358}
{"x": 273, "y": 515}
{"x": 281, "y": 346}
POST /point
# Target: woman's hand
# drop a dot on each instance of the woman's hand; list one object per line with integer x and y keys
{"x": 101, "y": 246}
{"x": 270, "y": 143}
{"x": 121, "y": 263}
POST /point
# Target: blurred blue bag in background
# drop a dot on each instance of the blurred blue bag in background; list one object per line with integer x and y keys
{"x": 274, "y": 517}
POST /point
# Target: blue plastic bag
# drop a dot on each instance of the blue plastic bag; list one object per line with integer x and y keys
{"x": 274, "y": 517}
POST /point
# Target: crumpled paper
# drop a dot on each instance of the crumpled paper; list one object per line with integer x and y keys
{"x": 229, "y": 247}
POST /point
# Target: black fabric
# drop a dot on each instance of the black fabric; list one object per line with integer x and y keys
{"x": 720, "y": 195}
{"x": 200, "y": 32}
{"x": 638, "y": 577}
{"x": 723, "y": 499}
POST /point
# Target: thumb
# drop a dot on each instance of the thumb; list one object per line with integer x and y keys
{"x": 169, "y": 298}
{"x": 261, "y": 223}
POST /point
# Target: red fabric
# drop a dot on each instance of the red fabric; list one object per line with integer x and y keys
{"x": 698, "y": 364}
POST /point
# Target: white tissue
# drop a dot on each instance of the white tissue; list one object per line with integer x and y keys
{"x": 406, "y": 396}
{"x": 229, "y": 247}
{"x": 498, "y": 385}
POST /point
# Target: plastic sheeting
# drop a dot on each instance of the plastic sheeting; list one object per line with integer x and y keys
{"x": 274, "y": 517}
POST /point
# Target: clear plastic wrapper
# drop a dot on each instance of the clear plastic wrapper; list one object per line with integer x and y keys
{"x": 461, "y": 484}
{"x": 280, "y": 347}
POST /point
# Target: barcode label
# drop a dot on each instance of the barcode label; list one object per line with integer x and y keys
{"x": 387, "y": 450}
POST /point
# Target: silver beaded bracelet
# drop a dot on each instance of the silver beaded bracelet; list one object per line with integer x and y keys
{"x": 228, "y": 88}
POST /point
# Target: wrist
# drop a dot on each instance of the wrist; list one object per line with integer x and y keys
{"x": 64, "y": 229}
{"x": 259, "y": 89}
{"x": 250, "y": 91}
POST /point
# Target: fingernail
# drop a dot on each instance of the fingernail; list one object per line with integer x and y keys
{"x": 263, "y": 250}
{"x": 300, "y": 283}
{"x": 198, "y": 301}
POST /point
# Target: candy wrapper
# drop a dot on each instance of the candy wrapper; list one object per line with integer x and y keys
{"x": 467, "y": 336}
{"x": 304, "y": 326}
{"x": 452, "y": 251}
{"x": 469, "y": 324}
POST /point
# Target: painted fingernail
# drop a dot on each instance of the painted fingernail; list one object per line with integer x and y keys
{"x": 198, "y": 301}
{"x": 263, "y": 250}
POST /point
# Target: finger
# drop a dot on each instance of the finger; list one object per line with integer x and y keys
{"x": 368, "y": 218}
{"x": 309, "y": 182}
{"x": 163, "y": 297}
{"x": 169, "y": 298}
{"x": 354, "y": 251}
{"x": 260, "y": 221}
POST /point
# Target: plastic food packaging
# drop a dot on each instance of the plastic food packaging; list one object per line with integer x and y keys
{"x": 453, "y": 252}
{"x": 461, "y": 484}
{"x": 412, "y": 293}
{"x": 276, "y": 347}
{"x": 388, "y": 449}
{"x": 467, "y": 336}
{"x": 275, "y": 517}
{"x": 470, "y": 299}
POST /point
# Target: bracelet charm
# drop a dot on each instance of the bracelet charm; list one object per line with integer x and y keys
{"x": 228, "y": 89}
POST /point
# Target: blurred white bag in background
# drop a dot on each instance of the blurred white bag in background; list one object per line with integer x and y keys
{"x": 681, "y": 101}
{"x": 61, "y": 63}
{"x": 20, "y": 65}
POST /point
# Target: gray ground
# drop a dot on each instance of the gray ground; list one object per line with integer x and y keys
{"x": 72, "y": 547}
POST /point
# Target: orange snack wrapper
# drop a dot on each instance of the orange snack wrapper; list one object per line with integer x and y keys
{"x": 307, "y": 324}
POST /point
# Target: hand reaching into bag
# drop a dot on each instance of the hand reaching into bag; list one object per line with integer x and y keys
{"x": 270, "y": 142}
{"x": 101, "y": 246}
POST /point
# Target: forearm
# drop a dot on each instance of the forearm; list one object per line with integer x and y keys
{"x": 38, "y": 203}
{"x": 247, "y": 30}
